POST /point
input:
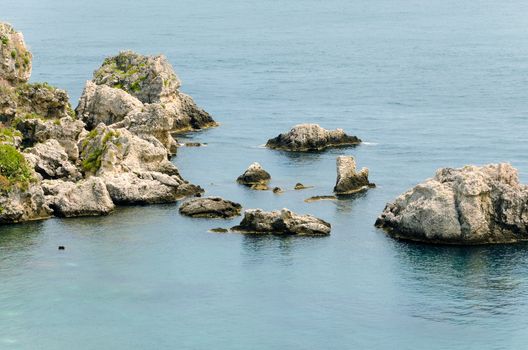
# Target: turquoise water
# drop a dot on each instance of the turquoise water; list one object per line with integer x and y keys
{"x": 426, "y": 84}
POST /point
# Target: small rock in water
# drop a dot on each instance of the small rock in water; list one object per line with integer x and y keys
{"x": 300, "y": 186}
{"x": 254, "y": 175}
{"x": 348, "y": 180}
{"x": 219, "y": 230}
{"x": 311, "y": 137}
{"x": 277, "y": 190}
{"x": 259, "y": 187}
{"x": 210, "y": 207}
{"x": 283, "y": 222}
{"x": 194, "y": 144}
{"x": 61, "y": 247}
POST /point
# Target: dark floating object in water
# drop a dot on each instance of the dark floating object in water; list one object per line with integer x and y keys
{"x": 61, "y": 247}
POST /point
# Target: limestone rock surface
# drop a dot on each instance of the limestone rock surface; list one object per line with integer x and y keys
{"x": 210, "y": 207}
{"x": 283, "y": 222}
{"x": 15, "y": 58}
{"x": 469, "y": 205}
{"x": 348, "y": 179}
{"x": 254, "y": 175}
{"x": 311, "y": 137}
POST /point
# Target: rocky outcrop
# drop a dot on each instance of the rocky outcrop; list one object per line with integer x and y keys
{"x": 15, "y": 64}
{"x": 348, "y": 179}
{"x": 210, "y": 207}
{"x": 470, "y": 205}
{"x": 282, "y": 222}
{"x": 33, "y": 101}
{"x": 140, "y": 93}
{"x": 50, "y": 160}
{"x": 254, "y": 175}
{"x": 20, "y": 204}
{"x": 311, "y": 137}
{"x": 135, "y": 170}
{"x": 66, "y": 131}
{"x": 85, "y": 198}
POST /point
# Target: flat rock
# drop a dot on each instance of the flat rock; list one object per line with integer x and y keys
{"x": 254, "y": 175}
{"x": 311, "y": 137}
{"x": 210, "y": 207}
{"x": 348, "y": 179}
{"x": 283, "y": 222}
{"x": 469, "y": 205}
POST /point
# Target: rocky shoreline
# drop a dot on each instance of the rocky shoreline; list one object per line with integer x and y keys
{"x": 115, "y": 148}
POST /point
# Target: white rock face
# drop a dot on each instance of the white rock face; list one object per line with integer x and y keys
{"x": 140, "y": 93}
{"x": 135, "y": 170}
{"x": 19, "y": 205}
{"x": 311, "y": 137}
{"x": 50, "y": 160}
{"x": 254, "y": 175}
{"x": 85, "y": 198}
{"x": 282, "y": 222}
{"x": 15, "y": 59}
{"x": 471, "y": 205}
{"x": 348, "y": 179}
{"x": 66, "y": 131}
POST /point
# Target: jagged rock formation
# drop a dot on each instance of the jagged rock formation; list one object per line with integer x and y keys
{"x": 135, "y": 170}
{"x": 51, "y": 165}
{"x": 140, "y": 93}
{"x": 311, "y": 137}
{"x": 66, "y": 131}
{"x": 50, "y": 160}
{"x": 470, "y": 205}
{"x": 254, "y": 175}
{"x": 348, "y": 179}
{"x": 210, "y": 207}
{"x": 15, "y": 64}
{"x": 85, "y": 198}
{"x": 282, "y": 222}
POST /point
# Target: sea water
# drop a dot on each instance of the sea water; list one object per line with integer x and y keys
{"x": 431, "y": 84}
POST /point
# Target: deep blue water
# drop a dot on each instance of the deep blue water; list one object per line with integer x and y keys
{"x": 426, "y": 84}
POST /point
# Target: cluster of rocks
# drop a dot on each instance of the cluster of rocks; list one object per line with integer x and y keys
{"x": 115, "y": 150}
{"x": 141, "y": 94}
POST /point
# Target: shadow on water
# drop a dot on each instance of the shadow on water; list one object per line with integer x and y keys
{"x": 14, "y": 238}
{"x": 259, "y": 248}
{"x": 477, "y": 281}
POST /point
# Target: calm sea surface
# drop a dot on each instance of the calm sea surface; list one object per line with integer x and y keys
{"x": 426, "y": 84}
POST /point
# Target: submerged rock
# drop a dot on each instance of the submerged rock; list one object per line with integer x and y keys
{"x": 85, "y": 198}
{"x": 254, "y": 175}
{"x": 311, "y": 137}
{"x": 348, "y": 179}
{"x": 470, "y": 205}
{"x": 300, "y": 186}
{"x": 320, "y": 198}
{"x": 282, "y": 222}
{"x": 15, "y": 58}
{"x": 210, "y": 207}
{"x": 140, "y": 93}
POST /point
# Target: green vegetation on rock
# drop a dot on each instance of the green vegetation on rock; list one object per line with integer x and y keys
{"x": 14, "y": 170}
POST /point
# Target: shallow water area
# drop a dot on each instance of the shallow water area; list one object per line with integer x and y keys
{"x": 424, "y": 85}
